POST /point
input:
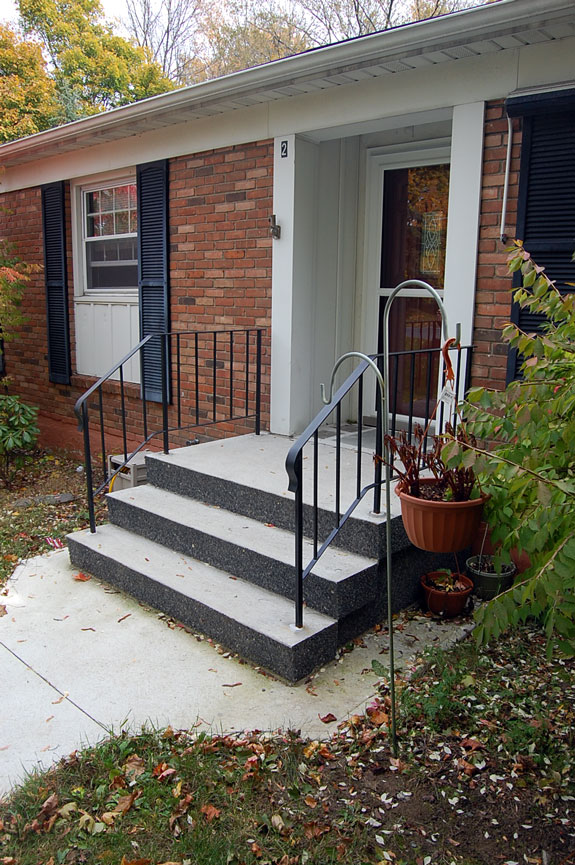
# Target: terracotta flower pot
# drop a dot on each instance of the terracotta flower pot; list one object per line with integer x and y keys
{"x": 440, "y": 527}
{"x": 449, "y": 603}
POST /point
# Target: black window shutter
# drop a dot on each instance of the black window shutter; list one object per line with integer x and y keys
{"x": 55, "y": 276}
{"x": 153, "y": 269}
{"x": 546, "y": 207}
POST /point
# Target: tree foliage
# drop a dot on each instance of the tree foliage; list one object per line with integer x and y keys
{"x": 167, "y": 30}
{"x": 27, "y": 93}
{"x": 530, "y": 470}
{"x": 14, "y": 274}
{"x": 249, "y": 34}
{"x": 93, "y": 68}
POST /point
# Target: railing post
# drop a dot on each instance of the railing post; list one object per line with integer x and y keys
{"x": 299, "y": 543}
{"x": 88, "y": 467}
{"x": 378, "y": 447}
{"x": 164, "y": 351}
{"x": 258, "y": 380}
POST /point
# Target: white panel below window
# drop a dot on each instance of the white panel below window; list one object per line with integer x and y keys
{"x": 105, "y": 332}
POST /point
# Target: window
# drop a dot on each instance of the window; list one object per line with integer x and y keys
{"x": 110, "y": 238}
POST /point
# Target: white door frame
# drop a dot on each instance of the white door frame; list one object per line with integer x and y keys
{"x": 464, "y": 152}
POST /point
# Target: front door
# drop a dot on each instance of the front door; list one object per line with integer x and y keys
{"x": 414, "y": 228}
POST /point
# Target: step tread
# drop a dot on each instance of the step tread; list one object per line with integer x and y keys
{"x": 253, "y": 607}
{"x": 258, "y": 463}
{"x": 334, "y": 565}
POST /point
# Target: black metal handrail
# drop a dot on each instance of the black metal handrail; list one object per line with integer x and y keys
{"x": 294, "y": 460}
{"x": 196, "y": 384}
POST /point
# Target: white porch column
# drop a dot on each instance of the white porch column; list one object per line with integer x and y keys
{"x": 293, "y": 277}
{"x": 464, "y": 207}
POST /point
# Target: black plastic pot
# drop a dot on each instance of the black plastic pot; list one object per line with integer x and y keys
{"x": 487, "y": 584}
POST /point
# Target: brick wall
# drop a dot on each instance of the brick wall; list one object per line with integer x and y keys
{"x": 493, "y": 290}
{"x": 220, "y": 272}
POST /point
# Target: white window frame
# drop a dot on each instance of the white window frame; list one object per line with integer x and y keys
{"x": 79, "y": 190}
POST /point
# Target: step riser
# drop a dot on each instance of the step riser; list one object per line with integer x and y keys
{"x": 357, "y": 536}
{"x": 291, "y": 664}
{"x": 334, "y": 599}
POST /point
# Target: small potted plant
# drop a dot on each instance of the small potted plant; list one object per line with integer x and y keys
{"x": 491, "y": 575}
{"x": 441, "y": 512}
{"x": 446, "y": 591}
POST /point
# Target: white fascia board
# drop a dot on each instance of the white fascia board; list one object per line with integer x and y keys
{"x": 381, "y": 103}
{"x": 455, "y": 29}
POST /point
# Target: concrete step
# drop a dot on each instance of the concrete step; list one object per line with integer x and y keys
{"x": 340, "y": 583}
{"x": 246, "y": 475}
{"x": 245, "y": 618}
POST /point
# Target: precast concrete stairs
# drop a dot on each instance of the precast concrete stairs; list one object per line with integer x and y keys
{"x": 209, "y": 541}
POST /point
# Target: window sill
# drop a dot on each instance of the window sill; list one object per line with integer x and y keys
{"x": 108, "y": 298}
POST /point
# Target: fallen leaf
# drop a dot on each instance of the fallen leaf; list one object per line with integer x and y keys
{"x": 210, "y": 812}
{"x": 327, "y": 719}
{"x": 82, "y": 578}
{"x": 466, "y": 767}
{"x": 310, "y": 801}
{"x": 2, "y": 610}
{"x": 59, "y": 700}
{"x": 134, "y": 766}
{"x": 314, "y": 830}
{"x": 180, "y": 811}
{"x": 125, "y": 802}
{"x": 135, "y": 861}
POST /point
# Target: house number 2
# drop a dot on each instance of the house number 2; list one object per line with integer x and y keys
{"x": 283, "y": 149}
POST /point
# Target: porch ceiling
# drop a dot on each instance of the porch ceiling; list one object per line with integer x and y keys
{"x": 506, "y": 25}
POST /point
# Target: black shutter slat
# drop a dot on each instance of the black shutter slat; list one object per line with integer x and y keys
{"x": 546, "y": 208}
{"x": 153, "y": 268}
{"x": 56, "y": 281}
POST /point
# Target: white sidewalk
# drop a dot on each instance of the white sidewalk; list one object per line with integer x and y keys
{"x": 79, "y": 659}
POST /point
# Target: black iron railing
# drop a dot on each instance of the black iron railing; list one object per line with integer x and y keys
{"x": 401, "y": 416}
{"x": 207, "y": 378}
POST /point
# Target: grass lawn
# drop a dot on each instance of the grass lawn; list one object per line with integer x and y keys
{"x": 485, "y": 774}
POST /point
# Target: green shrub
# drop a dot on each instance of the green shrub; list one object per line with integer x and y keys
{"x": 530, "y": 471}
{"x": 18, "y": 434}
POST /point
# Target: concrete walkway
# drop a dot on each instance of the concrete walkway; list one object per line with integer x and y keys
{"x": 80, "y": 659}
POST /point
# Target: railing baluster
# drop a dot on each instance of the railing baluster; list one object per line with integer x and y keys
{"x": 299, "y": 544}
{"x": 411, "y": 395}
{"x": 338, "y": 463}
{"x": 178, "y": 378}
{"x": 123, "y": 409}
{"x": 88, "y": 466}
{"x": 428, "y": 396}
{"x": 102, "y": 434}
{"x": 395, "y": 384}
{"x": 164, "y": 374}
{"x": 379, "y": 451}
{"x": 247, "y": 372}
{"x": 258, "y": 380}
{"x": 315, "y": 491}
{"x": 215, "y": 354}
{"x": 231, "y": 373}
{"x": 359, "y": 435}
{"x": 144, "y": 402}
{"x": 197, "y": 366}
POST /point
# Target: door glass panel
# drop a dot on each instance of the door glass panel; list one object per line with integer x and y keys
{"x": 414, "y": 225}
{"x": 413, "y": 247}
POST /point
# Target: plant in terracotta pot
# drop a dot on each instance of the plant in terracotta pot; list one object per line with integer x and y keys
{"x": 446, "y": 591}
{"x": 441, "y": 511}
{"x": 489, "y": 570}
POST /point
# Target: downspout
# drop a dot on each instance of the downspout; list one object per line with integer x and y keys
{"x": 502, "y": 235}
